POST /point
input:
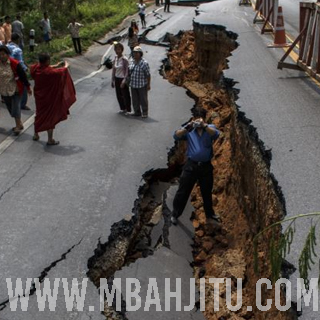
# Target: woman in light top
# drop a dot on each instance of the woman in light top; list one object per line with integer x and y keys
{"x": 119, "y": 78}
{"x": 142, "y": 13}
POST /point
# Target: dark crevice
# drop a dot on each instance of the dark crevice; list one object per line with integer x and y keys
{"x": 43, "y": 274}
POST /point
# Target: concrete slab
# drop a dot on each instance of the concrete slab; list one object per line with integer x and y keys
{"x": 163, "y": 264}
{"x": 181, "y": 236}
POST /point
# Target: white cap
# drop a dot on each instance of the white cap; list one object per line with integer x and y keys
{"x": 137, "y": 49}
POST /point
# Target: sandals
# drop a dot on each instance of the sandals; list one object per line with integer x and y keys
{"x": 53, "y": 143}
{"x": 17, "y": 130}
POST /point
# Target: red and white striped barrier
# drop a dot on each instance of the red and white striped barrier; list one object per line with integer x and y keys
{"x": 279, "y": 32}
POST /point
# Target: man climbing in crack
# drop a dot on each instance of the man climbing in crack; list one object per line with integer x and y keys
{"x": 198, "y": 168}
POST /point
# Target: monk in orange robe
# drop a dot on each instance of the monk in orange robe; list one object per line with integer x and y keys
{"x": 54, "y": 94}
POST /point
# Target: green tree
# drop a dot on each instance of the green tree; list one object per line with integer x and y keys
{"x": 25, "y": 5}
{"x": 5, "y": 7}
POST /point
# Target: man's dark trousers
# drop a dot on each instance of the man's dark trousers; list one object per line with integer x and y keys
{"x": 191, "y": 173}
{"x": 77, "y": 45}
{"x": 166, "y": 6}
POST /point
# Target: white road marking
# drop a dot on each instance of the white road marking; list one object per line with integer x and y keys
{"x": 9, "y": 140}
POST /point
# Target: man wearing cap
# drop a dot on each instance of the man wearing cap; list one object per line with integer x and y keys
{"x": 140, "y": 79}
{"x": 199, "y": 136}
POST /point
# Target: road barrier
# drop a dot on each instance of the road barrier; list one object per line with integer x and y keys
{"x": 309, "y": 41}
{"x": 267, "y": 11}
{"x": 280, "y": 33}
{"x": 245, "y": 3}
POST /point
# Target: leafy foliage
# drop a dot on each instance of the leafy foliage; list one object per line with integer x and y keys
{"x": 280, "y": 245}
{"x": 97, "y": 16}
{"x": 307, "y": 255}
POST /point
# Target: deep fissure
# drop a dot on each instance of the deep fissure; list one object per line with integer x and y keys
{"x": 246, "y": 194}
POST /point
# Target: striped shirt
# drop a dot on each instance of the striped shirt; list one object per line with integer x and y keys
{"x": 139, "y": 74}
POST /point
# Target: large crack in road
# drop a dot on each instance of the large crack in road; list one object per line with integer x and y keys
{"x": 246, "y": 195}
{"x": 244, "y": 191}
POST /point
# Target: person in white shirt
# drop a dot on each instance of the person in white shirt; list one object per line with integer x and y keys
{"x": 45, "y": 26}
{"x": 142, "y": 13}
{"x": 120, "y": 72}
{"x": 74, "y": 28}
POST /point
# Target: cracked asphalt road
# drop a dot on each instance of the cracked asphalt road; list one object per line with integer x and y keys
{"x": 51, "y": 198}
{"x": 54, "y": 197}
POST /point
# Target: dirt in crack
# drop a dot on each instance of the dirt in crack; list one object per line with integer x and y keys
{"x": 246, "y": 195}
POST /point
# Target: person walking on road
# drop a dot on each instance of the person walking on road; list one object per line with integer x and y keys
{"x": 199, "y": 136}
{"x": 167, "y": 6}
{"x": 54, "y": 94}
{"x": 13, "y": 79}
{"x": 132, "y": 39}
{"x": 17, "y": 27}
{"x": 140, "y": 80}
{"x": 45, "y": 26}
{"x": 142, "y": 13}
{"x": 7, "y": 29}
{"x": 74, "y": 28}
{"x": 120, "y": 72}
{"x": 16, "y": 53}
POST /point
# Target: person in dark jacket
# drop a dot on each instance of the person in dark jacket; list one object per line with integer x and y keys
{"x": 12, "y": 81}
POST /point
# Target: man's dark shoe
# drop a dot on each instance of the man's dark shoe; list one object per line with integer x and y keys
{"x": 174, "y": 220}
{"x": 26, "y": 108}
{"x": 213, "y": 225}
{"x": 214, "y": 218}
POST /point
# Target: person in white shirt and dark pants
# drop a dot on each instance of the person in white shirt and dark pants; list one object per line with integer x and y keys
{"x": 120, "y": 70}
{"x": 74, "y": 28}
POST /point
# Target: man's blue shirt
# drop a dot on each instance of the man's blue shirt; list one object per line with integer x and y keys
{"x": 199, "y": 147}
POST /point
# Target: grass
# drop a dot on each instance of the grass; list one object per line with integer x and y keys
{"x": 98, "y": 17}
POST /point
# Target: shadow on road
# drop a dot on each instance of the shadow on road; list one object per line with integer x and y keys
{"x": 61, "y": 150}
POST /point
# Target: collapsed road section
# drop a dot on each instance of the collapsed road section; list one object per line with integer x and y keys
{"x": 246, "y": 195}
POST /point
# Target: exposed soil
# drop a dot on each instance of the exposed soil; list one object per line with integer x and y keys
{"x": 246, "y": 196}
